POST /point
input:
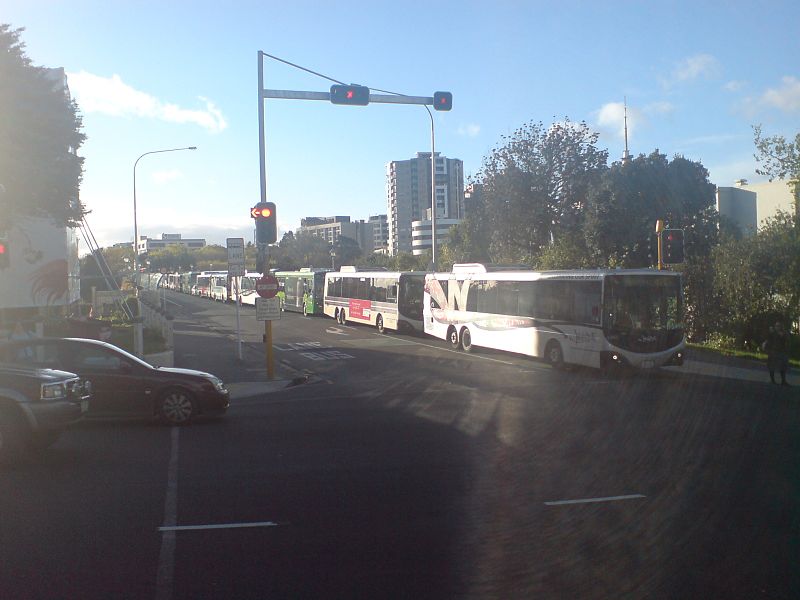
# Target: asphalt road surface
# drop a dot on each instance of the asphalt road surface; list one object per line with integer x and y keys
{"x": 403, "y": 469}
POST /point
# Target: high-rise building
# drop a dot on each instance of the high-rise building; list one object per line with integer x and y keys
{"x": 408, "y": 194}
{"x": 380, "y": 233}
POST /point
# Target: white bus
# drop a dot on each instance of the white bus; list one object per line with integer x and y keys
{"x": 599, "y": 318}
{"x": 387, "y": 300}
{"x": 247, "y": 288}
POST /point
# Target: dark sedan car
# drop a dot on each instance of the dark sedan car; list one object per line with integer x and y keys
{"x": 122, "y": 384}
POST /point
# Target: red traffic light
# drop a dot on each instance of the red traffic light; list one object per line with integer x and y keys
{"x": 442, "y": 101}
{"x": 355, "y": 95}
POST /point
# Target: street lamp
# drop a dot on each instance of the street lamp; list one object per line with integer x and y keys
{"x": 135, "y": 224}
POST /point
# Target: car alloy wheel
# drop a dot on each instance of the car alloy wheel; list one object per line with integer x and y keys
{"x": 176, "y": 407}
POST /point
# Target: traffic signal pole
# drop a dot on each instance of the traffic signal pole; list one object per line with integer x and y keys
{"x": 659, "y": 230}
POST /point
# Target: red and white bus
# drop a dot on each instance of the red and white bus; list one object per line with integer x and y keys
{"x": 384, "y": 299}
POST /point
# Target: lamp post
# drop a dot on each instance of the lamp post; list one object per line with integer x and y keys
{"x": 433, "y": 192}
{"x": 135, "y": 224}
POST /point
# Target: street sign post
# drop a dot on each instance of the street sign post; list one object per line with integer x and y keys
{"x": 267, "y": 287}
{"x": 268, "y": 309}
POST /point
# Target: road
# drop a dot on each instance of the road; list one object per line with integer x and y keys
{"x": 404, "y": 469}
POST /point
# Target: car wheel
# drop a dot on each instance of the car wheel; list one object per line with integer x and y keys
{"x": 553, "y": 355}
{"x": 176, "y": 407}
{"x": 466, "y": 340}
{"x": 452, "y": 339}
{"x": 379, "y": 324}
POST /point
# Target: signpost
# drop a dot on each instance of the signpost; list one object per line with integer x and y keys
{"x": 235, "y": 271}
{"x": 267, "y": 287}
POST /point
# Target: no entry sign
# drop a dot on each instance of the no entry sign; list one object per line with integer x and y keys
{"x": 267, "y": 286}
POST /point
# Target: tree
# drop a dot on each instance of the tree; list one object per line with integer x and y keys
{"x": 627, "y": 200}
{"x": 779, "y": 159}
{"x": 40, "y": 133}
{"x": 534, "y": 187}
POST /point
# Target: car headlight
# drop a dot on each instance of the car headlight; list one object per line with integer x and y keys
{"x": 53, "y": 391}
{"x": 217, "y": 383}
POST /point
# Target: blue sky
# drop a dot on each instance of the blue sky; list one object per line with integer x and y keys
{"x": 156, "y": 75}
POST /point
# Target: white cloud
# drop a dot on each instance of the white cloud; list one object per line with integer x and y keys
{"x": 167, "y": 176}
{"x": 469, "y": 130}
{"x": 693, "y": 67}
{"x": 611, "y": 118}
{"x": 735, "y": 86}
{"x": 112, "y": 96}
{"x": 786, "y": 97}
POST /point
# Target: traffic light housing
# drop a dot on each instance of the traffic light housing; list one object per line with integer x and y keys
{"x": 672, "y": 246}
{"x": 442, "y": 101}
{"x": 5, "y": 259}
{"x": 355, "y": 95}
{"x": 266, "y": 222}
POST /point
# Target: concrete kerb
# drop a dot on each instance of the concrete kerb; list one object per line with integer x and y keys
{"x": 248, "y": 389}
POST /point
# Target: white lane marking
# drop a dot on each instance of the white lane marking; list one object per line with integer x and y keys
{"x": 220, "y": 526}
{"x": 464, "y": 354}
{"x": 591, "y": 500}
{"x": 166, "y": 558}
{"x": 335, "y": 331}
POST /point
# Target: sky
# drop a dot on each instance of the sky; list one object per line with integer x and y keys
{"x": 149, "y": 76}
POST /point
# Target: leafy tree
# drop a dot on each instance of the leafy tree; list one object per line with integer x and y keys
{"x": 534, "y": 188}
{"x": 757, "y": 279}
{"x": 40, "y": 133}
{"x": 628, "y": 199}
{"x": 779, "y": 159}
{"x": 347, "y": 251}
{"x": 173, "y": 258}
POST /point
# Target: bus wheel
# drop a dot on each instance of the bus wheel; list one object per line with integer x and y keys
{"x": 553, "y": 355}
{"x": 452, "y": 338}
{"x": 466, "y": 340}
{"x": 342, "y": 317}
{"x": 336, "y": 315}
{"x": 305, "y": 310}
{"x": 379, "y": 324}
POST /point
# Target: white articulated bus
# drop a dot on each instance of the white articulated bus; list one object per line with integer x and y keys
{"x": 387, "y": 300}
{"x": 596, "y": 318}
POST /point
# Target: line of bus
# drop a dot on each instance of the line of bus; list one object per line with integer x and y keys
{"x": 596, "y": 318}
{"x": 385, "y": 300}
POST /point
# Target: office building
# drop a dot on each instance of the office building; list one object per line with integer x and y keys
{"x": 408, "y": 192}
{"x": 147, "y": 244}
{"x": 750, "y": 205}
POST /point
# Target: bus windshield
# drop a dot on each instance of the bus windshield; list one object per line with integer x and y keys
{"x": 642, "y": 302}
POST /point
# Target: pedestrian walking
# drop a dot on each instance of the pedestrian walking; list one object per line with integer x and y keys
{"x": 777, "y": 348}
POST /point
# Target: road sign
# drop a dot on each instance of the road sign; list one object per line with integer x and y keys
{"x": 267, "y": 286}
{"x": 236, "y": 257}
{"x": 268, "y": 309}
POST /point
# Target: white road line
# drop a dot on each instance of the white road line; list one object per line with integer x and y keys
{"x": 221, "y": 526}
{"x": 591, "y": 500}
{"x": 166, "y": 558}
{"x": 464, "y": 354}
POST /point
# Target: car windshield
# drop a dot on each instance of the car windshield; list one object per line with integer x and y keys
{"x": 400, "y": 299}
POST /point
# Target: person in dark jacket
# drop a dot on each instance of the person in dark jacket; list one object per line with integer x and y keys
{"x": 777, "y": 348}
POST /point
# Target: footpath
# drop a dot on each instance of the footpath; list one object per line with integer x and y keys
{"x": 713, "y": 364}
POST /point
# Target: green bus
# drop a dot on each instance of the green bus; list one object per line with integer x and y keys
{"x": 302, "y": 291}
